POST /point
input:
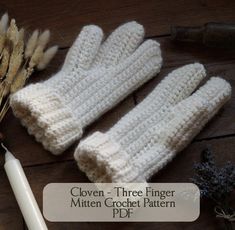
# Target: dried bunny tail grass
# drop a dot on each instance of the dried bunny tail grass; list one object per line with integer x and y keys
{"x": 43, "y": 39}
{"x": 4, "y": 23}
{"x": 19, "y": 80}
{"x": 3, "y": 28}
{"x": 2, "y": 42}
{"x": 31, "y": 44}
{"x": 4, "y": 61}
{"x": 16, "y": 57}
{"x": 12, "y": 32}
{"x": 18, "y": 62}
{"x": 36, "y": 58}
{"x": 21, "y": 35}
{"x": 47, "y": 57}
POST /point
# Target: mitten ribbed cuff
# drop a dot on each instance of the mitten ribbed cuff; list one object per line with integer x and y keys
{"x": 95, "y": 77}
{"x": 46, "y": 117}
{"x": 104, "y": 158}
{"x": 104, "y": 161}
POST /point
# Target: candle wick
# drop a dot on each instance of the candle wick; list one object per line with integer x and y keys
{"x": 8, "y": 154}
{"x": 4, "y": 147}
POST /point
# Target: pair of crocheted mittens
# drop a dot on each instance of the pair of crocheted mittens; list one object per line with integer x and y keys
{"x": 97, "y": 75}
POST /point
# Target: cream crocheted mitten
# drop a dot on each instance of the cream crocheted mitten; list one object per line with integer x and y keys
{"x": 150, "y": 135}
{"x": 95, "y": 76}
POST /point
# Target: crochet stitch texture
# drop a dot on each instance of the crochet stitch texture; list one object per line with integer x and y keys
{"x": 95, "y": 76}
{"x": 151, "y": 134}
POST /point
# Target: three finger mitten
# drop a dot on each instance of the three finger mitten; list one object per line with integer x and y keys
{"x": 95, "y": 76}
{"x": 150, "y": 135}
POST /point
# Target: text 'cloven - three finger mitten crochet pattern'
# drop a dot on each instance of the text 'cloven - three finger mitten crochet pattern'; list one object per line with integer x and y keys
{"x": 96, "y": 76}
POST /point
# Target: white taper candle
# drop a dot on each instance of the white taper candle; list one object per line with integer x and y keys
{"x": 23, "y": 193}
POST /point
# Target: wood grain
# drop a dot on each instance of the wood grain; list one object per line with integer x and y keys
{"x": 65, "y": 18}
{"x": 217, "y": 62}
{"x": 224, "y": 122}
{"x": 10, "y": 216}
{"x": 179, "y": 170}
{"x": 176, "y": 54}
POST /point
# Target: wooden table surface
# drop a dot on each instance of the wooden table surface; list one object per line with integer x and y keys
{"x": 65, "y": 18}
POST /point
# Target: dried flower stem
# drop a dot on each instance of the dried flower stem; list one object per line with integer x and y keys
{"x": 19, "y": 81}
{"x": 5, "y": 108}
{"x": 16, "y": 58}
{"x": 19, "y": 60}
{"x": 217, "y": 184}
{"x": 4, "y": 61}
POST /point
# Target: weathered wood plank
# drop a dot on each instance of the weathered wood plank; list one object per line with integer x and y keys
{"x": 31, "y": 152}
{"x": 65, "y": 19}
{"x": 224, "y": 122}
{"x": 179, "y": 170}
{"x": 10, "y": 216}
{"x": 176, "y": 53}
{"x": 27, "y": 149}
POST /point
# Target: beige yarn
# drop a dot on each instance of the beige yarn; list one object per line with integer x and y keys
{"x": 150, "y": 135}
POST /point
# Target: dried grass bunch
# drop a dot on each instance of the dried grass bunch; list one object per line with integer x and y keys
{"x": 18, "y": 59}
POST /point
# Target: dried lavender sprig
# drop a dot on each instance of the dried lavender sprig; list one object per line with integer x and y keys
{"x": 217, "y": 184}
